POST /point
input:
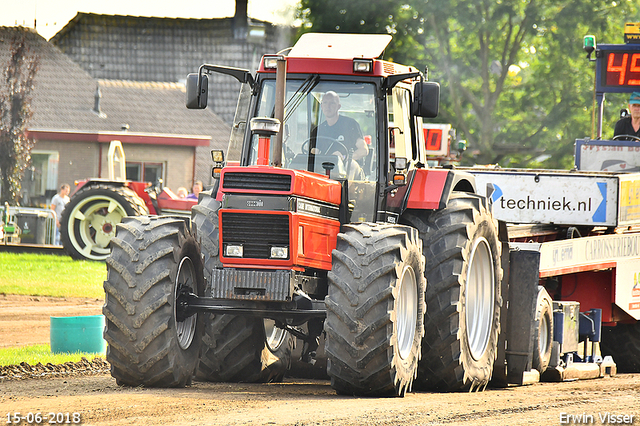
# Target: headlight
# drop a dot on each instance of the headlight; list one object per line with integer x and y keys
{"x": 279, "y": 253}
{"x": 362, "y": 65}
{"x": 271, "y": 61}
{"x": 233, "y": 251}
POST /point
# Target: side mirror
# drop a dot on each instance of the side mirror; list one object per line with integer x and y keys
{"x": 426, "y": 99}
{"x": 197, "y": 91}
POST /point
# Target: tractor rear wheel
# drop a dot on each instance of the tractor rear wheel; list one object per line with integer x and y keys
{"x": 89, "y": 220}
{"x": 244, "y": 349}
{"x": 375, "y": 310}
{"x": 204, "y": 216}
{"x": 235, "y": 348}
{"x": 463, "y": 272}
{"x": 152, "y": 341}
{"x": 622, "y": 342}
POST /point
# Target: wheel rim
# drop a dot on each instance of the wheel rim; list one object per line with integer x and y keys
{"x": 407, "y": 312}
{"x": 545, "y": 333}
{"x": 274, "y": 336}
{"x": 92, "y": 224}
{"x": 185, "y": 281}
{"x": 479, "y": 297}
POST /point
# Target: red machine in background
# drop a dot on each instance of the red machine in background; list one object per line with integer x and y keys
{"x": 97, "y": 205}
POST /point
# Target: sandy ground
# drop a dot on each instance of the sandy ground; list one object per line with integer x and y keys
{"x": 99, "y": 401}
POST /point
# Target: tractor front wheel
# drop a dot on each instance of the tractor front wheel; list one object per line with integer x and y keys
{"x": 152, "y": 340}
{"x": 375, "y": 310}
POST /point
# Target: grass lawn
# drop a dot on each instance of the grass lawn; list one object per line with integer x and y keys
{"x": 51, "y": 275}
{"x": 40, "y": 353}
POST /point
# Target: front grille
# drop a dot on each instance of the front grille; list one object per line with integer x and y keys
{"x": 256, "y": 232}
{"x": 232, "y": 283}
{"x": 259, "y": 181}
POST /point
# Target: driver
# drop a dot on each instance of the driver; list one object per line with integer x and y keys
{"x": 343, "y": 129}
{"x": 630, "y": 125}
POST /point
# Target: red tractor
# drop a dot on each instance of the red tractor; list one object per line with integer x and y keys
{"x": 314, "y": 231}
{"x": 89, "y": 220}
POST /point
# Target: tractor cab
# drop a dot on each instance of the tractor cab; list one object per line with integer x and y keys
{"x": 346, "y": 115}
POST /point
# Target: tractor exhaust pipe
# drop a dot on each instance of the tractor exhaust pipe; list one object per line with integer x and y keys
{"x": 281, "y": 90}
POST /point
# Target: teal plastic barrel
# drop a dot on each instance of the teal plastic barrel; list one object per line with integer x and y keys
{"x": 77, "y": 334}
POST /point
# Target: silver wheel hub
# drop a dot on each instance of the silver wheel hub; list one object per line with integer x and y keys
{"x": 274, "y": 336}
{"x": 407, "y": 312}
{"x": 479, "y": 296}
{"x": 544, "y": 335}
{"x": 185, "y": 278}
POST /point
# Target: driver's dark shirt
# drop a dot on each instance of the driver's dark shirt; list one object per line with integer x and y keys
{"x": 346, "y": 127}
{"x": 624, "y": 127}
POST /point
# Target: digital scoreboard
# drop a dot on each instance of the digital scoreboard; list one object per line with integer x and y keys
{"x": 618, "y": 65}
{"x": 620, "y": 68}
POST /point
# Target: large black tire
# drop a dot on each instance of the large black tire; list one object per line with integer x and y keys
{"x": 375, "y": 310}
{"x": 463, "y": 270}
{"x": 543, "y": 331}
{"x": 204, "y": 217}
{"x": 235, "y": 348}
{"x": 238, "y": 349}
{"x": 89, "y": 220}
{"x": 622, "y": 342}
{"x": 150, "y": 343}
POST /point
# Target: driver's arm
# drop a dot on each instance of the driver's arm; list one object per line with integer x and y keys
{"x": 361, "y": 150}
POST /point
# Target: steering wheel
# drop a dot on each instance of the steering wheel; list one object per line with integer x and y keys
{"x": 626, "y": 137}
{"x": 325, "y": 145}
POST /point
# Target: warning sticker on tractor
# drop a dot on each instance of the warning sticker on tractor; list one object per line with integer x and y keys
{"x": 562, "y": 199}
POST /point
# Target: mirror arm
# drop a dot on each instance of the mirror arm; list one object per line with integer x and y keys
{"x": 242, "y": 75}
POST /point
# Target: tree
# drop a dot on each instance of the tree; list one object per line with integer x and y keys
{"x": 353, "y": 16}
{"x": 515, "y": 82}
{"x": 15, "y": 111}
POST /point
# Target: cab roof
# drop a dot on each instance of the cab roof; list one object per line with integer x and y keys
{"x": 333, "y": 54}
{"x": 340, "y": 46}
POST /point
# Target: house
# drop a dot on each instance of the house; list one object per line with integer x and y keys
{"x": 76, "y": 116}
{"x": 167, "y": 49}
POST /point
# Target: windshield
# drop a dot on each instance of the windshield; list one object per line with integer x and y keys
{"x": 329, "y": 127}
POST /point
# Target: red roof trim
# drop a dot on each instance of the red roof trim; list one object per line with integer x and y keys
{"x": 105, "y": 137}
{"x": 337, "y": 66}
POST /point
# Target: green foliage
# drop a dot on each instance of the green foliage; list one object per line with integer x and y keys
{"x": 515, "y": 81}
{"x": 16, "y": 85}
{"x": 353, "y": 16}
{"x": 35, "y": 354}
{"x": 51, "y": 275}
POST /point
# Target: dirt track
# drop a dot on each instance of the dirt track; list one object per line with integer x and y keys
{"x": 295, "y": 402}
{"x": 24, "y": 320}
